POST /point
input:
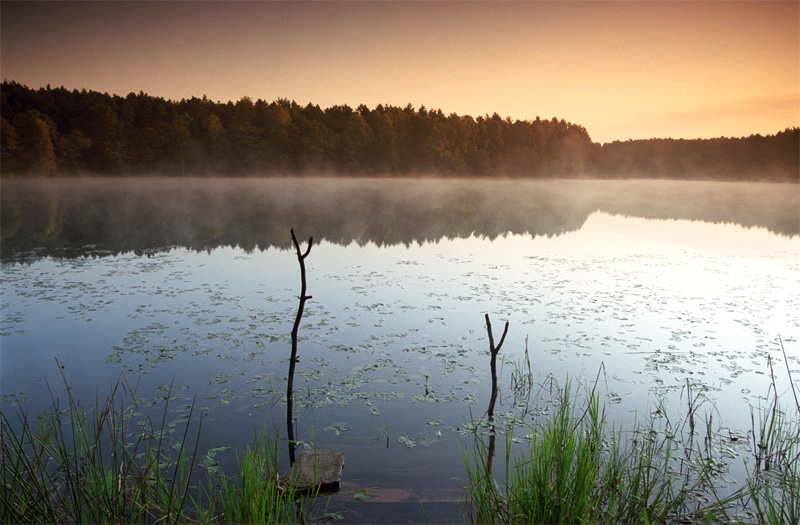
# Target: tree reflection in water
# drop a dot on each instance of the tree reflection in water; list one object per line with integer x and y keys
{"x": 63, "y": 216}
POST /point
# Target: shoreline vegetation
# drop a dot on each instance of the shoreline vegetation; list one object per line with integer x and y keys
{"x": 57, "y": 132}
{"x": 113, "y": 463}
{"x": 670, "y": 467}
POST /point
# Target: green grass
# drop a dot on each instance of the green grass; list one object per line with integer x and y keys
{"x": 575, "y": 469}
{"x": 109, "y": 465}
{"x": 78, "y": 466}
{"x": 773, "y": 488}
{"x": 255, "y": 495}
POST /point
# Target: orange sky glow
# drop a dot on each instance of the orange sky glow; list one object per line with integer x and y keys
{"x": 621, "y": 69}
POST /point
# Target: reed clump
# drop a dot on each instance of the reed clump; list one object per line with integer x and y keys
{"x": 110, "y": 465}
{"x": 576, "y": 469}
{"x": 255, "y": 495}
{"x": 773, "y": 485}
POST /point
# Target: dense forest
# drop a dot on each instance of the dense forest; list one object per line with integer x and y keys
{"x": 50, "y": 131}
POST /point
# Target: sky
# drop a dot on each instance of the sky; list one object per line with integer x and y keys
{"x": 624, "y": 70}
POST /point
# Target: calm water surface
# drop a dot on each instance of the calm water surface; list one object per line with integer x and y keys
{"x": 642, "y": 298}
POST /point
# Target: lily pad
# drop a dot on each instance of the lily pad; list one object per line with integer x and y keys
{"x": 407, "y": 441}
{"x": 338, "y": 428}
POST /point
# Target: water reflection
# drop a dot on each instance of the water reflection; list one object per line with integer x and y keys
{"x": 61, "y": 217}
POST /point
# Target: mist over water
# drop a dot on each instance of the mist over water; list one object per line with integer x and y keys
{"x": 135, "y": 214}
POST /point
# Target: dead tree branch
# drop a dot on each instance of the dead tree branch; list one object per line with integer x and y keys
{"x": 293, "y": 358}
{"x": 493, "y": 351}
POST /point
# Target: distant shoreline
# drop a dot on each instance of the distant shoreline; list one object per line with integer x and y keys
{"x": 57, "y": 132}
{"x": 380, "y": 177}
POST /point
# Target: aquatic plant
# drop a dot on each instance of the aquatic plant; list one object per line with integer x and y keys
{"x": 576, "y": 469}
{"x": 110, "y": 464}
{"x": 255, "y": 495}
{"x": 78, "y": 466}
{"x": 773, "y": 488}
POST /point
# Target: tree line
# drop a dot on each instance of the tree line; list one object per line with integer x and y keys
{"x": 54, "y": 131}
{"x": 765, "y": 158}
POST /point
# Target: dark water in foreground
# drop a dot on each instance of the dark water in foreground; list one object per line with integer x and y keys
{"x": 651, "y": 285}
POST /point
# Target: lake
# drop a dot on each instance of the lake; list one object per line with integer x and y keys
{"x": 648, "y": 291}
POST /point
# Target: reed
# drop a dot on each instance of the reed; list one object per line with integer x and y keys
{"x": 73, "y": 465}
{"x": 111, "y": 465}
{"x": 773, "y": 486}
{"x": 577, "y": 469}
{"x": 255, "y": 495}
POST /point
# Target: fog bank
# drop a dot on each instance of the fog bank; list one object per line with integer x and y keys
{"x": 139, "y": 214}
